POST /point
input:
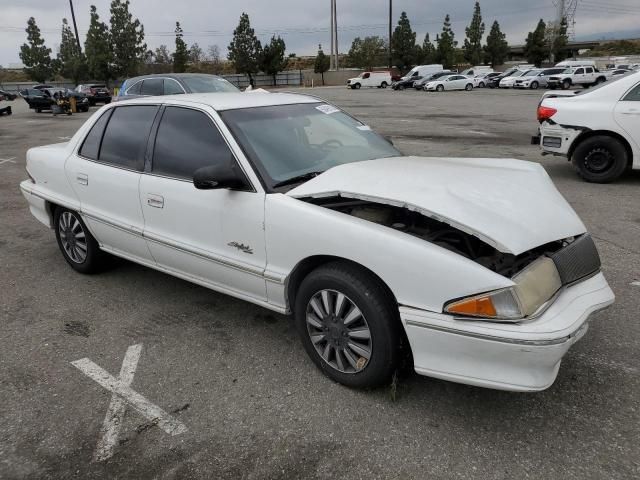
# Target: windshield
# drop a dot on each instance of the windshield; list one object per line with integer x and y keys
{"x": 286, "y": 141}
{"x": 208, "y": 84}
{"x": 569, "y": 70}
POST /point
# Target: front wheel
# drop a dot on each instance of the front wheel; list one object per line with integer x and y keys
{"x": 349, "y": 325}
{"x": 566, "y": 85}
{"x": 357, "y": 86}
{"x": 76, "y": 243}
{"x": 468, "y": 87}
{"x": 481, "y": 85}
{"x": 534, "y": 85}
{"x": 440, "y": 88}
{"x": 600, "y": 159}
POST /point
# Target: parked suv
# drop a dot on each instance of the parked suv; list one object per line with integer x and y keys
{"x": 173, "y": 84}
{"x": 585, "y": 76}
{"x": 539, "y": 80}
{"x": 95, "y": 92}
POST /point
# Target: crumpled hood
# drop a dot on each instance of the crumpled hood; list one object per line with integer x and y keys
{"x": 510, "y": 204}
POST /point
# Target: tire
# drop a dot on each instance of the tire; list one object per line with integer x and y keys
{"x": 384, "y": 85}
{"x": 600, "y": 159}
{"x": 566, "y": 84}
{"x": 600, "y": 80}
{"x": 107, "y": 102}
{"x": 534, "y": 85}
{"x": 378, "y": 320}
{"x": 357, "y": 86}
{"x": 440, "y": 88}
{"x": 38, "y": 110}
{"x": 65, "y": 223}
{"x": 468, "y": 87}
{"x": 481, "y": 85}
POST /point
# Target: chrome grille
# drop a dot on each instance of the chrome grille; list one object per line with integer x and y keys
{"x": 577, "y": 260}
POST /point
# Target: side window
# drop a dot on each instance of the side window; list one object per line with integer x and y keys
{"x": 91, "y": 145}
{"x": 134, "y": 89}
{"x": 125, "y": 138}
{"x": 171, "y": 87}
{"x": 366, "y": 75}
{"x": 633, "y": 95}
{"x": 579, "y": 71}
{"x": 152, "y": 86}
{"x": 184, "y": 126}
{"x": 589, "y": 70}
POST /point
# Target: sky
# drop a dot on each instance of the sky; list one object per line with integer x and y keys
{"x": 304, "y": 24}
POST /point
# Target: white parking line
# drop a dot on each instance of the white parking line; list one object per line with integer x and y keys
{"x": 635, "y": 284}
{"x": 64, "y": 138}
{"x": 7, "y": 160}
{"x": 123, "y": 394}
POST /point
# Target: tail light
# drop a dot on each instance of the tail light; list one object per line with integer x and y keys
{"x": 545, "y": 113}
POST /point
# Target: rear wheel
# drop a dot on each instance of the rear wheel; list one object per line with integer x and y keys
{"x": 600, "y": 159}
{"x": 349, "y": 325}
{"x": 481, "y": 85}
{"x": 76, "y": 243}
{"x": 469, "y": 87}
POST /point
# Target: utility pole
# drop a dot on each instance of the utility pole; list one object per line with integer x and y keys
{"x": 332, "y": 65}
{"x": 390, "y": 31}
{"x": 335, "y": 32}
{"x": 75, "y": 26}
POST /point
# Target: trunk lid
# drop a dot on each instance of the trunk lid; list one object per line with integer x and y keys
{"x": 509, "y": 204}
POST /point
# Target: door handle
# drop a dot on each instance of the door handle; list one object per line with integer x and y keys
{"x": 82, "y": 178}
{"x": 631, "y": 111}
{"x": 155, "y": 201}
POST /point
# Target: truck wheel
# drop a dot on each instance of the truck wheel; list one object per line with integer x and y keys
{"x": 357, "y": 86}
{"x": 600, "y": 80}
{"x": 600, "y": 159}
{"x": 384, "y": 85}
{"x": 566, "y": 84}
{"x": 349, "y": 325}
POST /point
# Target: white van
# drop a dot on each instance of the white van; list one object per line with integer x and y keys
{"x": 477, "y": 70}
{"x": 423, "y": 71}
{"x": 370, "y": 79}
{"x": 577, "y": 63}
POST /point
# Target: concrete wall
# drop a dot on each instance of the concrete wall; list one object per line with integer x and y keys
{"x": 333, "y": 78}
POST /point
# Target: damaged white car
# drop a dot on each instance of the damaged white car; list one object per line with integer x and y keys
{"x": 479, "y": 267}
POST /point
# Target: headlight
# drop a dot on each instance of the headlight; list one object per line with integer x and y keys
{"x": 534, "y": 286}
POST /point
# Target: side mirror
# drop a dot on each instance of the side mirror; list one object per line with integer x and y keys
{"x": 225, "y": 175}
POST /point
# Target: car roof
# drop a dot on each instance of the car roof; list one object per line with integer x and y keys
{"x": 221, "y": 101}
{"x": 175, "y": 76}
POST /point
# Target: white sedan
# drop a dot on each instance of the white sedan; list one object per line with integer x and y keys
{"x": 477, "y": 267}
{"x": 510, "y": 81}
{"x": 598, "y": 129}
{"x": 450, "y": 82}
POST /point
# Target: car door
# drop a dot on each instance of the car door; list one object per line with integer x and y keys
{"x": 105, "y": 174}
{"x": 578, "y": 75}
{"x": 627, "y": 114}
{"x": 214, "y": 237}
{"x": 457, "y": 82}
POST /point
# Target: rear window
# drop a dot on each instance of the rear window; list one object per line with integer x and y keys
{"x": 91, "y": 146}
{"x": 208, "y": 84}
{"x": 135, "y": 89}
{"x": 125, "y": 138}
{"x": 152, "y": 86}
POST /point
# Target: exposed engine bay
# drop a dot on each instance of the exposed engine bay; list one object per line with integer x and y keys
{"x": 438, "y": 233}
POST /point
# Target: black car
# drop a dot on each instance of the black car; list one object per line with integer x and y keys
{"x": 43, "y": 99}
{"x": 494, "y": 82}
{"x": 95, "y": 92}
{"x": 4, "y": 95}
{"x": 406, "y": 83}
{"x": 173, "y": 84}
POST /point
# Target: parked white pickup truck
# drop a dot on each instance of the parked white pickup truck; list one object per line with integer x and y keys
{"x": 585, "y": 76}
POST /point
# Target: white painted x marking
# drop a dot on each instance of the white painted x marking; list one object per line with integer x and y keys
{"x": 123, "y": 394}
{"x": 635, "y": 284}
{"x": 7, "y": 160}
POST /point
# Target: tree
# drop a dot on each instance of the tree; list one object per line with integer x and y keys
{"x": 214, "y": 58}
{"x": 535, "y": 48}
{"x": 181, "y": 55}
{"x": 72, "y": 62}
{"x": 35, "y": 55}
{"x": 403, "y": 44}
{"x": 447, "y": 45}
{"x": 367, "y": 53}
{"x": 127, "y": 40}
{"x": 497, "y": 49}
{"x": 428, "y": 51}
{"x": 473, "y": 43}
{"x": 273, "y": 59}
{"x": 97, "y": 48}
{"x": 162, "y": 55}
{"x": 557, "y": 40}
{"x": 196, "y": 54}
{"x": 245, "y": 49}
{"x": 322, "y": 63}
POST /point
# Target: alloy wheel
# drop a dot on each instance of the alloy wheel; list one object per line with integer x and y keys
{"x": 73, "y": 237}
{"x": 338, "y": 331}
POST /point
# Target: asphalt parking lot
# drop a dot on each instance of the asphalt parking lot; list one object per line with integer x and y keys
{"x": 237, "y": 378}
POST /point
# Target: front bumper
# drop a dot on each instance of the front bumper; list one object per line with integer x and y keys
{"x": 520, "y": 357}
